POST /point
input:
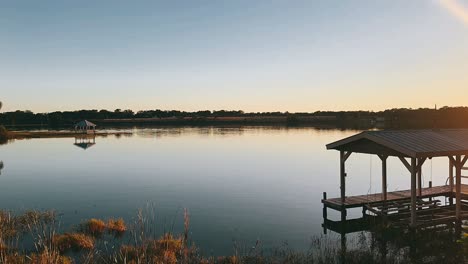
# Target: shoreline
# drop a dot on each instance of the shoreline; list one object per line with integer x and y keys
{"x": 60, "y": 134}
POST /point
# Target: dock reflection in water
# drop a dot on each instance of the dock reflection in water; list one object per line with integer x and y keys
{"x": 85, "y": 141}
{"x": 391, "y": 239}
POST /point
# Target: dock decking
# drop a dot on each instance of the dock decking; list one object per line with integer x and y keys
{"x": 361, "y": 200}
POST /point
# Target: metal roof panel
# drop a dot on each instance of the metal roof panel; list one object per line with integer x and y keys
{"x": 415, "y": 143}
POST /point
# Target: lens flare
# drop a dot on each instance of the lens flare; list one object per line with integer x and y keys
{"x": 457, "y": 9}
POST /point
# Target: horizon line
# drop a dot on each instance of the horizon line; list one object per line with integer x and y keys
{"x": 236, "y": 110}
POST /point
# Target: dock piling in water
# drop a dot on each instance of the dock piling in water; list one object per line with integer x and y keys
{"x": 325, "y": 216}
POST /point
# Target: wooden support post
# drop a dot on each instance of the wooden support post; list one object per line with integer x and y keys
{"x": 324, "y": 206}
{"x": 451, "y": 180}
{"x": 325, "y": 214}
{"x": 430, "y": 186}
{"x": 419, "y": 164}
{"x": 413, "y": 192}
{"x": 458, "y": 167}
{"x": 418, "y": 173}
{"x": 384, "y": 176}
{"x": 343, "y": 157}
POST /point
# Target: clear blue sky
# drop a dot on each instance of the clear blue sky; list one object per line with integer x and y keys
{"x": 253, "y": 55}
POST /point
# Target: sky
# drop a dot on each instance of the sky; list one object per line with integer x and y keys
{"x": 296, "y": 56}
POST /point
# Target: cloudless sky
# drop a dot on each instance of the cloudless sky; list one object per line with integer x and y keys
{"x": 252, "y": 55}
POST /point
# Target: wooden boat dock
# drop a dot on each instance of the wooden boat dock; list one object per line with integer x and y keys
{"x": 416, "y": 205}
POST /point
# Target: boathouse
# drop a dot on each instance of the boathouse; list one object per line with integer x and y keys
{"x": 417, "y": 206}
{"x": 85, "y": 127}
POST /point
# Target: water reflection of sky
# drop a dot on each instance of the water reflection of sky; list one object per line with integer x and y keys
{"x": 238, "y": 183}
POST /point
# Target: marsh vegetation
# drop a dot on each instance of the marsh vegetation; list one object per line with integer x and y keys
{"x": 34, "y": 237}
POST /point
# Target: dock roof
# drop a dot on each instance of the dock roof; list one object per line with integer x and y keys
{"x": 85, "y": 123}
{"x": 407, "y": 143}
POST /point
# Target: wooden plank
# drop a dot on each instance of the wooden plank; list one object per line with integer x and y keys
{"x": 382, "y": 208}
{"x": 360, "y": 200}
{"x": 420, "y": 213}
{"x": 405, "y": 203}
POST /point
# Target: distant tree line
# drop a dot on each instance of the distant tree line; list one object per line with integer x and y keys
{"x": 392, "y": 118}
{"x": 69, "y": 117}
{"x": 3, "y": 134}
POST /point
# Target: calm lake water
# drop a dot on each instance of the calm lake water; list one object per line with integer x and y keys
{"x": 240, "y": 185}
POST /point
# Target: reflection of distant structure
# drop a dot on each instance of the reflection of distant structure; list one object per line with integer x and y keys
{"x": 85, "y": 142}
{"x": 1, "y": 167}
{"x": 85, "y": 127}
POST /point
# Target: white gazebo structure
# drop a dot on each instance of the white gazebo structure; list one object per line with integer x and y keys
{"x": 85, "y": 127}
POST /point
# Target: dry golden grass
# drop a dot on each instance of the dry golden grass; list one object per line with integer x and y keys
{"x": 116, "y": 225}
{"x": 94, "y": 227}
{"x": 12, "y": 258}
{"x": 45, "y": 257}
{"x": 49, "y": 258}
{"x": 166, "y": 249}
{"x": 130, "y": 252}
{"x": 166, "y": 243}
{"x": 229, "y": 260}
{"x": 146, "y": 247}
{"x": 8, "y": 226}
{"x": 74, "y": 241}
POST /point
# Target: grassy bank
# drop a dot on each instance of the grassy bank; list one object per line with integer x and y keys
{"x": 33, "y": 237}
